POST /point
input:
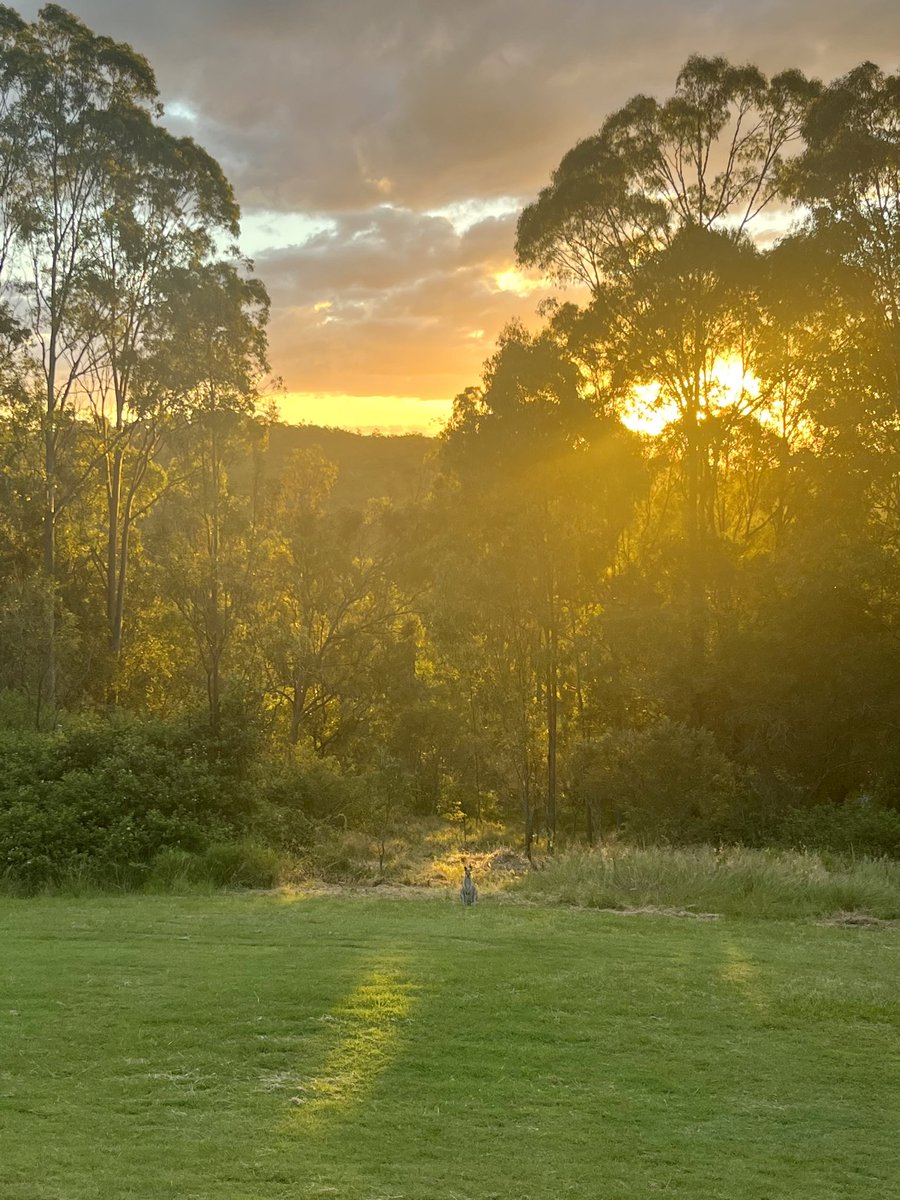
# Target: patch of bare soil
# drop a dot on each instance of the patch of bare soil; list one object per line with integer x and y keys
{"x": 654, "y": 910}
{"x": 442, "y": 891}
{"x": 378, "y": 888}
{"x": 857, "y": 920}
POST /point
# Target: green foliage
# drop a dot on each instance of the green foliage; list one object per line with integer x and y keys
{"x": 860, "y": 827}
{"x": 233, "y": 864}
{"x": 298, "y": 800}
{"x": 106, "y": 796}
{"x": 666, "y": 781}
{"x": 243, "y": 864}
{"x": 173, "y": 869}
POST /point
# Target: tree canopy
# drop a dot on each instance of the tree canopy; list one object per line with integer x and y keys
{"x": 647, "y": 577}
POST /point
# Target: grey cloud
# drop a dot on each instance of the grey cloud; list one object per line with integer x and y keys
{"x": 375, "y": 249}
{"x": 382, "y": 249}
{"x": 317, "y": 104}
{"x": 390, "y": 302}
{"x": 489, "y": 241}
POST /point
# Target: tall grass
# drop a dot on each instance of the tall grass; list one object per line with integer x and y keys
{"x": 735, "y": 882}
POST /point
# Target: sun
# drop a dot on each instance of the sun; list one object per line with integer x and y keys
{"x": 727, "y": 383}
{"x": 647, "y": 412}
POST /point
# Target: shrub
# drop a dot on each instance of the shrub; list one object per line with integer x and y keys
{"x": 173, "y": 868}
{"x": 242, "y": 864}
{"x": 104, "y": 797}
{"x": 295, "y": 796}
{"x": 855, "y": 827}
{"x": 666, "y": 782}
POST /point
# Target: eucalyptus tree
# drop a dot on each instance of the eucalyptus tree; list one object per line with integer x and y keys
{"x": 211, "y": 540}
{"x": 104, "y": 216}
{"x": 545, "y": 501}
{"x": 74, "y": 91}
{"x": 653, "y": 215}
{"x": 849, "y": 178}
{"x": 67, "y": 94}
{"x": 164, "y": 207}
{"x": 832, "y": 359}
{"x": 334, "y": 615}
{"x": 13, "y": 150}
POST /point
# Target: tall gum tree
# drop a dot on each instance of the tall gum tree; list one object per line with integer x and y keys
{"x": 13, "y": 151}
{"x": 526, "y": 447}
{"x": 652, "y": 214}
{"x": 849, "y": 178}
{"x": 167, "y": 201}
{"x": 218, "y": 366}
{"x": 105, "y": 215}
{"x": 67, "y": 95}
{"x": 330, "y": 609}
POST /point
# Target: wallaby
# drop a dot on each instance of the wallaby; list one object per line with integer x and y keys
{"x": 468, "y": 893}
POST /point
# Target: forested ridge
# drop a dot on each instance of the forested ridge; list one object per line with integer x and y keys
{"x": 645, "y": 581}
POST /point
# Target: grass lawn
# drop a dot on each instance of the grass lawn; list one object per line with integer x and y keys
{"x": 254, "y": 1047}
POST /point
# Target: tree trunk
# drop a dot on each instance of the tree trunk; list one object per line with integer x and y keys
{"x": 696, "y": 617}
{"x": 114, "y": 501}
{"x": 475, "y": 762}
{"x": 528, "y": 814}
{"x": 48, "y": 693}
{"x": 215, "y": 616}
{"x": 552, "y": 738}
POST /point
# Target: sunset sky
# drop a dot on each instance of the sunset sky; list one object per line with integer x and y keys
{"x": 381, "y": 151}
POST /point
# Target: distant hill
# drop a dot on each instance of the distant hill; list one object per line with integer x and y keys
{"x": 370, "y": 466}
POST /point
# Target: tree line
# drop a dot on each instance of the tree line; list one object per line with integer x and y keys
{"x": 559, "y": 620}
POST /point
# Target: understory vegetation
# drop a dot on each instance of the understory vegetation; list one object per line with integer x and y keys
{"x": 733, "y": 882}
{"x": 125, "y": 806}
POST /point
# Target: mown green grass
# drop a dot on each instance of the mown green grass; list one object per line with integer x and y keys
{"x": 252, "y": 1048}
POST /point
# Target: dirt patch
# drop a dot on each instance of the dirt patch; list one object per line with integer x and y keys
{"x": 501, "y": 861}
{"x": 371, "y": 891}
{"x": 653, "y": 910}
{"x": 857, "y": 920}
{"x": 444, "y": 891}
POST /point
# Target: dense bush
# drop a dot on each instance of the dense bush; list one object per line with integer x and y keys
{"x": 298, "y": 799}
{"x": 108, "y": 796}
{"x": 666, "y": 782}
{"x": 239, "y": 864}
{"x": 855, "y": 827}
{"x": 670, "y": 784}
{"x": 129, "y": 803}
{"x": 126, "y": 802}
{"x": 242, "y": 864}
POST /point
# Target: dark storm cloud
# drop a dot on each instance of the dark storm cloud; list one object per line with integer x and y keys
{"x": 338, "y": 108}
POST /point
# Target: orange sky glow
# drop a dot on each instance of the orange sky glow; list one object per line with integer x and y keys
{"x": 365, "y": 414}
